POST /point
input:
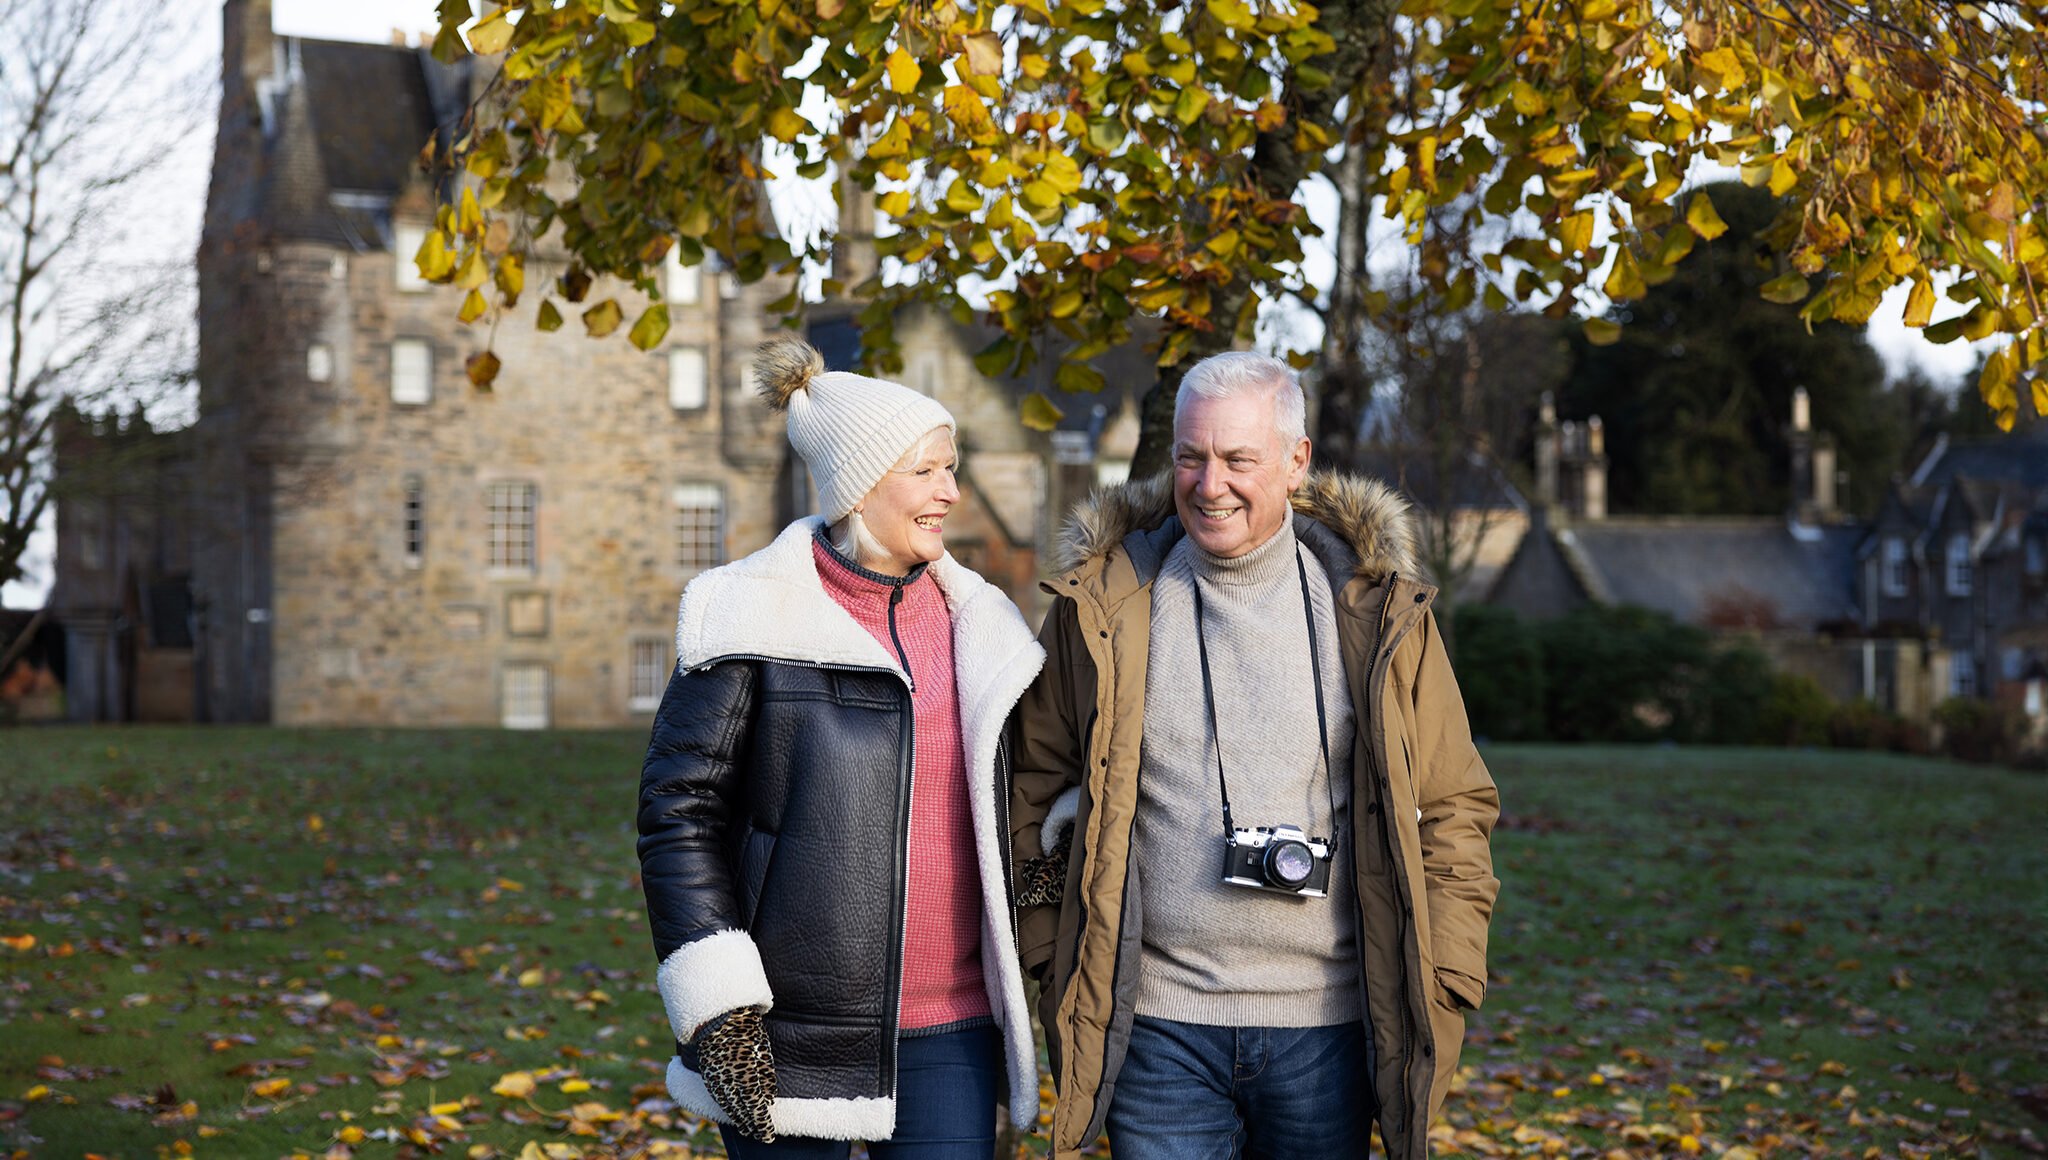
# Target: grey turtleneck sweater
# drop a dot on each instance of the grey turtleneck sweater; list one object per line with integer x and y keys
{"x": 1227, "y": 955}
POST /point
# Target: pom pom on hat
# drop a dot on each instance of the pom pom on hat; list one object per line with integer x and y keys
{"x": 849, "y": 429}
{"x": 783, "y": 366}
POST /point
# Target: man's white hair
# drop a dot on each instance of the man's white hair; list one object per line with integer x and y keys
{"x": 1242, "y": 372}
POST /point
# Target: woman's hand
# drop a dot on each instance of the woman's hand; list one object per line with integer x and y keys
{"x": 1043, "y": 881}
{"x": 739, "y": 1070}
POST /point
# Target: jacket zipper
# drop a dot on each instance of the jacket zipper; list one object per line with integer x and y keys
{"x": 1002, "y": 788}
{"x": 903, "y": 658}
{"x": 903, "y": 849}
{"x": 906, "y": 767}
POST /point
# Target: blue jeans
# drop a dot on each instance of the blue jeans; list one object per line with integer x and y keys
{"x": 946, "y": 1089}
{"x": 1193, "y": 1092}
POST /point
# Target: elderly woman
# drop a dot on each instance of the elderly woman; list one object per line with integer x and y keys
{"x": 822, "y": 829}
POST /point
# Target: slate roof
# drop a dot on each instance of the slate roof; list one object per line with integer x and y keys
{"x": 2021, "y": 457}
{"x": 294, "y": 195}
{"x": 372, "y": 112}
{"x": 350, "y": 126}
{"x": 1684, "y": 566}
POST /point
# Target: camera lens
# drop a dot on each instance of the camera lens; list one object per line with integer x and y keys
{"x": 1289, "y": 863}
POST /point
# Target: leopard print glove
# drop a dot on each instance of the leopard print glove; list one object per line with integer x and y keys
{"x": 1043, "y": 881}
{"x": 739, "y": 1070}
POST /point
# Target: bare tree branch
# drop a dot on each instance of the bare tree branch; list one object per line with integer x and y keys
{"x": 88, "y": 118}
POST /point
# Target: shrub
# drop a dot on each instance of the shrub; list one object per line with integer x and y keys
{"x": 1864, "y": 724}
{"x": 1621, "y": 673}
{"x": 1975, "y": 730}
{"x": 1796, "y": 711}
{"x": 1500, "y": 672}
{"x": 1734, "y": 696}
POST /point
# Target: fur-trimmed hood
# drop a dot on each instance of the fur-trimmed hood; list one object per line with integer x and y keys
{"x": 1369, "y": 517}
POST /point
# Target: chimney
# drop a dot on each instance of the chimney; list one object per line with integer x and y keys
{"x": 1546, "y": 452}
{"x": 248, "y": 52}
{"x": 853, "y": 257}
{"x": 1593, "y": 479}
{"x": 1826, "y": 499}
{"x": 1805, "y": 480}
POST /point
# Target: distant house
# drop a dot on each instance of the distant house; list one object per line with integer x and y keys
{"x": 1932, "y": 599}
{"x": 1958, "y": 557}
{"x": 126, "y": 533}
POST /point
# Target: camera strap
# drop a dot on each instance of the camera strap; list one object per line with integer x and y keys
{"x": 1315, "y": 658}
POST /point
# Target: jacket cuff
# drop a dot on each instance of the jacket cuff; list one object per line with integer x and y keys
{"x": 1065, "y": 808}
{"x": 704, "y": 979}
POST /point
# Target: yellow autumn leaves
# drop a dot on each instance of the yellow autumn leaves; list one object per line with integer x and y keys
{"x": 1902, "y": 148}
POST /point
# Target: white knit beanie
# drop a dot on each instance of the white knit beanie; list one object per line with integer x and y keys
{"x": 850, "y": 429}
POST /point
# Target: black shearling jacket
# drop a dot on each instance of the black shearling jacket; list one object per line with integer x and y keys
{"x": 774, "y": 828}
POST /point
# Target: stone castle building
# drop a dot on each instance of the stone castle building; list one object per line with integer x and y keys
{"x": 375, "y": 541}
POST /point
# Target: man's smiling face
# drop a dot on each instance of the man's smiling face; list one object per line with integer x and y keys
{"x": 1233, "y": 472}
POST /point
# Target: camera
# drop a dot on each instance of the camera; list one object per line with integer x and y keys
{"x": 1277, "y": 858}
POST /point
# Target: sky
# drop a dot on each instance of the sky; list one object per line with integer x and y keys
{"x": 183, "y": 193}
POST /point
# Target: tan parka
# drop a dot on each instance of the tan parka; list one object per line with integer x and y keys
{"x": 1423, "y": 804}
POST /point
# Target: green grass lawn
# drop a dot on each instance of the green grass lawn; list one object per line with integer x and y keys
{"x": 267, "y": 942}
{"x": 1792, "y": 953}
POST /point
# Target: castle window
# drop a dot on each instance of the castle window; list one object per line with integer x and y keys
{"x": 415, "y": 521}
{"x": 1894, "y": 566}
{"x": 89, "y": 518}
{"x": 412, "y": 372}
{"x": 320, "y": 362}
{"x": 649, "y": 673}
{"x": 1962, "y": 674}
{"x": 406, "y": 241}
{"x": 2037, "y": 555}
{"x": 684, "y": 285}
{"x": 523, "y": 696}
{"x": 689, "y": 386}
{"x": 700, "y": 526}
{"x": 1959, "y": 576}
{"x": 511, "y": 527}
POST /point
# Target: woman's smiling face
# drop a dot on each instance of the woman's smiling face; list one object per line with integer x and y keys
{"x": 905, "y": 513}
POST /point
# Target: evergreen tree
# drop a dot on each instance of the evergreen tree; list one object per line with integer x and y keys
{"x": 1696, "y": 395}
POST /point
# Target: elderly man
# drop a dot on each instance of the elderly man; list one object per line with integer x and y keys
{"x": 1251, "y": 821}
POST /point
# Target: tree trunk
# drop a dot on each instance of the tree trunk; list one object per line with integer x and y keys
{"x": 1359, "y": 28}
{"x": 1344, "y": 389}
{"x": 19, "y": 644}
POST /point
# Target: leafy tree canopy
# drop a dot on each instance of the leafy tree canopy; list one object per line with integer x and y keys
{"x": 1097, "y": 162}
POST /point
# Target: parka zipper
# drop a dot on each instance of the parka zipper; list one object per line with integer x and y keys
{"x": 1386, "y": 785}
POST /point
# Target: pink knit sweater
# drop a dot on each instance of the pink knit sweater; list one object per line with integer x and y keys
{"x": 942, "y": 981}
